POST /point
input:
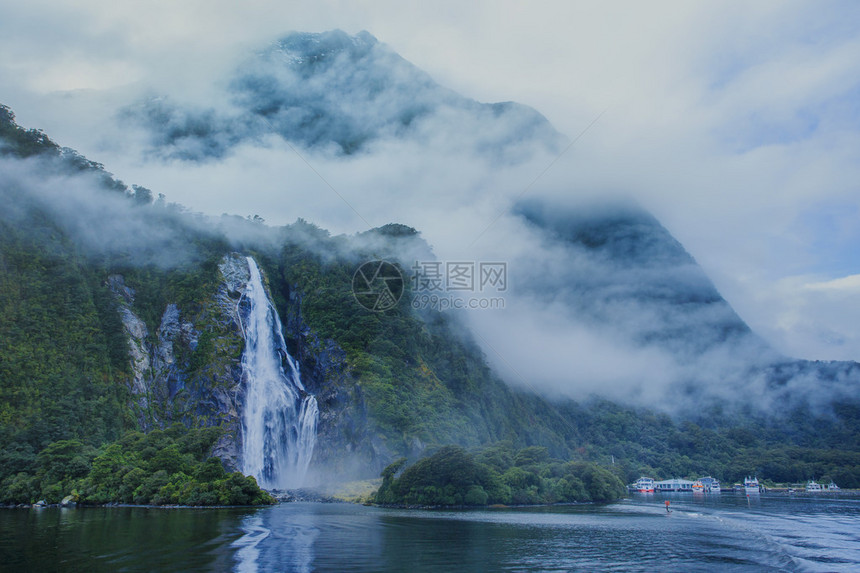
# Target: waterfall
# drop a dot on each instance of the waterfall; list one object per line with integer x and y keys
{"x": 279, "y": 421}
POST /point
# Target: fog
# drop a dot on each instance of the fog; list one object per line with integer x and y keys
{"x": 732, "y": 123}
{"x": 98, "y": 222}
{"x": 734, "y": 129}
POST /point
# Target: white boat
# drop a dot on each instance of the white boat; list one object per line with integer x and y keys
{"x": 712, "y": 485}
{"x": 751, "y": 485}
{"x": 813, "y": 487}
{"x": 643, "y": 485}
{"x": 832, "y": 486}
{"x": 698, "y": 486}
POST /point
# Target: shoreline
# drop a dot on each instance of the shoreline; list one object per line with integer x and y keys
{"x": 124, "y": 505}
{"x": 329, "y": 500}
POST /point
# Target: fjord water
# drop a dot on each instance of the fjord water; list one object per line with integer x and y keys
{"x": 718, "y": 533}
{"x": 279, "y": 418}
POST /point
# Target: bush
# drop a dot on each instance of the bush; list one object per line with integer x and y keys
{"x": 20, "y": 488}
{"x": 476, "y": 496}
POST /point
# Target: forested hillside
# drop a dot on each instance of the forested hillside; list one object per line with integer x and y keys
{"x": 82, "y": 254}
{"x": 67, "y": 413}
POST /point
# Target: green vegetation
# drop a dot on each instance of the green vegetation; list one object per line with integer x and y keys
{"x": 420, "y": 375}
{"x": 20, "y": 142}
{"x": 158, "y": 468}
{"x": 64, "y": 362}
{"x": 496, "y": 475}
{"x": 416, "y": 382}
{"x": 64, "y": 356}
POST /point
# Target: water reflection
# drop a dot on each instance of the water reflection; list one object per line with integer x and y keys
{"x": 289, "y": 542}
{"x": 248, "y": 552}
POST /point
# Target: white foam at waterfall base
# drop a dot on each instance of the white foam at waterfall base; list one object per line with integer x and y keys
{"x": 279, "y": 418}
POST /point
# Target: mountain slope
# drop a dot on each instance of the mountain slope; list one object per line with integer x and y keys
{"x": 608, "y": 280}
{"x": 391, "y": 384}
{"x": 623, "y": 268}
{"x": 345, "y": 93}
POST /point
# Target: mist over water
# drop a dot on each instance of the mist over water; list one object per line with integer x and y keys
{"x": 280, "y": 418}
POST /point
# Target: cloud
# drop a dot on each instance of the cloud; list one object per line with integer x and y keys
{"x": 343, "y": 94}
{"x": 604, "y": 301}
{"x": 96, "y": 220}
{"x": 812, "y": 317}
{"x": 731, "y": 122}
{"x": 848, "y": 285}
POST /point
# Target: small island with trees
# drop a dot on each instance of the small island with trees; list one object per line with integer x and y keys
{"x": 497, "y": 475}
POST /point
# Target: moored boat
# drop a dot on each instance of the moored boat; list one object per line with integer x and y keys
{"x": 832, "y": 486}
{"x": 643, "y": 485}
{"x": 813, "y": 486}
{"x": 751, "y": 485}
{"x": 712, "y": 485}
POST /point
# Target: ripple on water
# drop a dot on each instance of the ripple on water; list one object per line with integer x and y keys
{"x": 633, "y": 535}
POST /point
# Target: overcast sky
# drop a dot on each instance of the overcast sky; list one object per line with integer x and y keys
{"x": 737, "y": 124}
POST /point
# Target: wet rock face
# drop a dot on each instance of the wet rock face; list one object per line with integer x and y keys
{"x": 348, "y": 445}
{"x": 137, "y": 334}
{"x": 116, "y": 283}
{"x": 174, "y": 377}
{"x": 226, "y": 395}
{"x": 190, "y": 371}
{"x": 168, "y": 333}
{"x": 235, "y": 272}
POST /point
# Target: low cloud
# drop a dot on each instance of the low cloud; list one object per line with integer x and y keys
{"x": 814, "y": 317}
{"x": 97, "y": 221}
{"x": 732, "y": 124}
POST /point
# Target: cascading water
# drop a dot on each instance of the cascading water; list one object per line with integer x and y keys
{"x": 279, "y": 421}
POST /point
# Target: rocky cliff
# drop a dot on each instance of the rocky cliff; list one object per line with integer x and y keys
{"x": 189, "y": 369}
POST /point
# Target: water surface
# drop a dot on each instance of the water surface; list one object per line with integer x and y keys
{"x": 703, "y": 533}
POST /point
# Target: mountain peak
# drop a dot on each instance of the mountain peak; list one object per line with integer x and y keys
{"x": 321, "y": 45}
{"x": 336, "y": 91}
